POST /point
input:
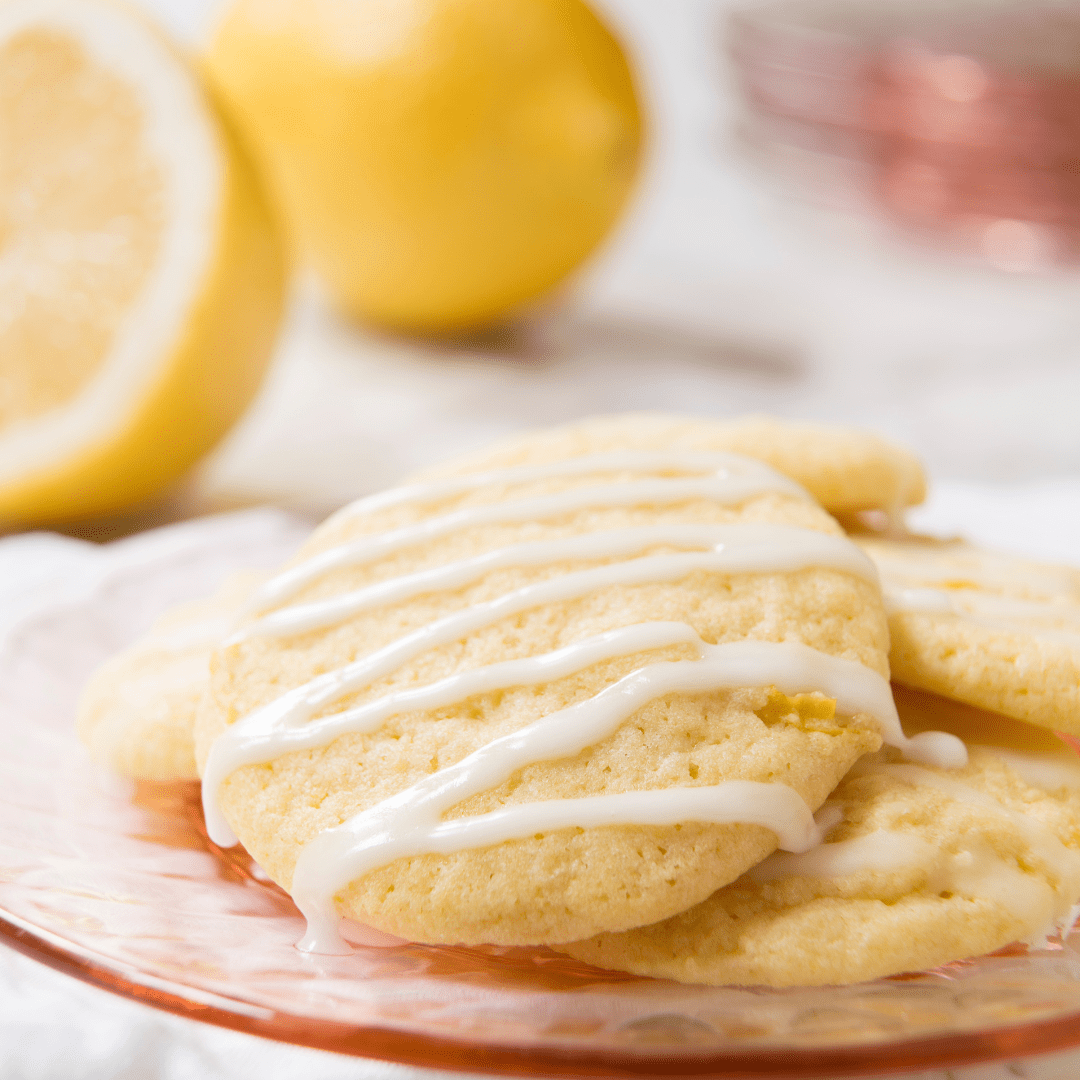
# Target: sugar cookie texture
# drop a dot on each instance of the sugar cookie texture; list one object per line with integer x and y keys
{"x": 570, "y": 882}
{"x": 995, "y": 631}
{"x": 926, "y": 867}
{"x": 845, "y": 469}
{"x": 137, "y": 714}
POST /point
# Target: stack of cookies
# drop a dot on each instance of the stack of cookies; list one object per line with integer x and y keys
{"x": 622, "y": 689}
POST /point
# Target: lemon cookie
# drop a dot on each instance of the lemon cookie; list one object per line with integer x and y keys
{"x": 845, "y": 469}
{"x": 137, "y": 713}
{"x": 924, "y": 867}
{"x": 526, "y": 702}
{"x": 995, "y": 631}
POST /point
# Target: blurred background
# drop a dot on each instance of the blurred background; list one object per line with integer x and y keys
{"x": 722, "y": 291}
{"x": 738, "y": 279}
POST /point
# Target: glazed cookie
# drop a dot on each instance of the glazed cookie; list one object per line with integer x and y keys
{"x": 995, "y": 631}
{"x": 922, "y": 867}
{"x": 845, "y": 469}
{"x": 137, "y": 714}
{"x": 534, "y": 700}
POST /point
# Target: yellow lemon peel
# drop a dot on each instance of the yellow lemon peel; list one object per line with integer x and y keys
{"x": 441, "y": 162}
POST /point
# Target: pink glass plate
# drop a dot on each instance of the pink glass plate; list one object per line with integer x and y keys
{"x": 116, "y": 883}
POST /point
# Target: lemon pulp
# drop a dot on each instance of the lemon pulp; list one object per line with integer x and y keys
{"x": 76, "y": 247}
{"x": 141, "y": 276}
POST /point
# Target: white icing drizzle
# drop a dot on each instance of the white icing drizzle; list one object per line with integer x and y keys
{"x": 731, "y": 549}
{"x": 985, "y": 569}
{"x": 828, "y": 817}
{"x": 961, "y": 792}
{"x": 703, "y": 462}
{"x": 794, "y": 668}
{"x": 970, "y": 602}
{"x": 882, "y": 850}
{"x": 405, "y": 823}
{"x": 1047, "y": 908}
{"x": 304, "y": 702}
{"x": 1048, "y": 771}
{"x": 370, "y": 840}
{"x": 980, "y": 872}
{"x": 939, "y": 582}
{"x": 733, "y": 480}
{"x": 921, "y": 600}
{"x": 975, "y": 871}
{"x": 411, "y": 822}
{"x": 1041, "y": 619}
{"x": 284, "y": 724}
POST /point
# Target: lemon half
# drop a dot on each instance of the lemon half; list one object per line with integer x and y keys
{"x": 441, "y": 162}
{"x": 141, "y": 273}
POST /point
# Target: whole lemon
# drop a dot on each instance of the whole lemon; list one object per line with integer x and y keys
{"x": 440, "y": 162}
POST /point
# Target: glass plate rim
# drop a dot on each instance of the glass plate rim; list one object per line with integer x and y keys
{"x": 405, "y": 1047}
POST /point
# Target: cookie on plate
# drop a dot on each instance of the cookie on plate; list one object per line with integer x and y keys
{"x": 847, "y": 470}
{"x": 144, "y": 730}
{"x": 137, "y": 713}
{"x": 922, "y": 867}
{"x": 996, "y": 631}
{"x": 568, "y": 691}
